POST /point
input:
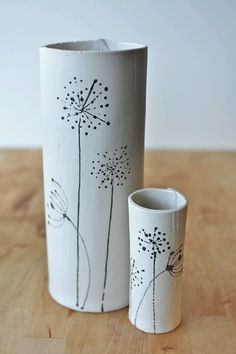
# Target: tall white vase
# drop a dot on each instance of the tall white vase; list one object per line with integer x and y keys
{"x": 93, "y": 109}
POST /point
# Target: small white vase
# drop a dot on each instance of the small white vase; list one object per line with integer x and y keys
{"x": 93, "y": 109}
{"x": 157, "y": 220}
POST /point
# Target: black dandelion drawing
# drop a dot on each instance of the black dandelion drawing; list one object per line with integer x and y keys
{"x": 84, "y": 105}
{"x": 175, "y": 262}
{"x": 153, "y": 243}
{"x": 57, "y": 205}
{"x": 57, "y": 214}
{"x": 174, "y": 267}
{"x": 85, "y": 108}
{"x": 112, "y": 171}
{"x": 136, "y": 275}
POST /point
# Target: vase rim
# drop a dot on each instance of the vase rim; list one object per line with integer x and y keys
{"x": 158, "y": 200}
{"x": 97, "y": 46}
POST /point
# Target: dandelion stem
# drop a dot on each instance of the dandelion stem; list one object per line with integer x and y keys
{"x": 78, "y": 218}
{"x": 145, "y": 293}
{"x": 107, "y": 252}
{"x": 88, "y": 260}
{"x": 153, "y": 293}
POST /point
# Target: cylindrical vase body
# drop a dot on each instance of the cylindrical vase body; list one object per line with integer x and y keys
{"x": 93, "y": 110}
{"x": 157, "y": 230}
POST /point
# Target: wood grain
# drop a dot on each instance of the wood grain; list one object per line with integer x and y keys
{"x": 31, "y": 322}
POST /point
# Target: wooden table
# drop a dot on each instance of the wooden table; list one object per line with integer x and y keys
{"x": 32, "y": 323}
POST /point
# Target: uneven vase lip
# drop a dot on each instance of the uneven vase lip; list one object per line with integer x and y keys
{"x": 158, "y": 200}
{"x": 95, "y": 46}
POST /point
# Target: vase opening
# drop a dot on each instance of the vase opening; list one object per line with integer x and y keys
{"x": 159, "y": 200}
{"x": 95, "y": 46}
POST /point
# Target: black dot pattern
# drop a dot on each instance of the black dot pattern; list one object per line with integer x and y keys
{"x": 153, "y": 243}
{"x": 136, "y": 278}
{"x": 111, "y": 169}
{"x": 84, "y": 105}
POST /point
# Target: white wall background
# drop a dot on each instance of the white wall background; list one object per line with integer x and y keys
{"x": 191, "y": 98}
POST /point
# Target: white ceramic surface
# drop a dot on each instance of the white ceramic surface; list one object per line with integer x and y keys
{"x": 157, "y": 220}
{"x": 93, "y": 109}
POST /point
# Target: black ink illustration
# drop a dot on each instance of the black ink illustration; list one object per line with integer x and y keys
{"x": 136, "y": 278}
{"x": 84, "y": 108}
{"x": 112, "y": 171}
{"x": 175, "y": 262}
{"x": 57, "y": 205}
{"x": 155, "y": 244}
{"x": 57, "y": 208}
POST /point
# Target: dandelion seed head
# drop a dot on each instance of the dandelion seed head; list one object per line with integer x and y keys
{"x": 152, "y": 243}
{"x": 81, "y": 101}
{"x": 175, "y": 262}
{"x": 136, "y": 278}
{"x": 111, "y": 168}
{"x": 57, "y": 204}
